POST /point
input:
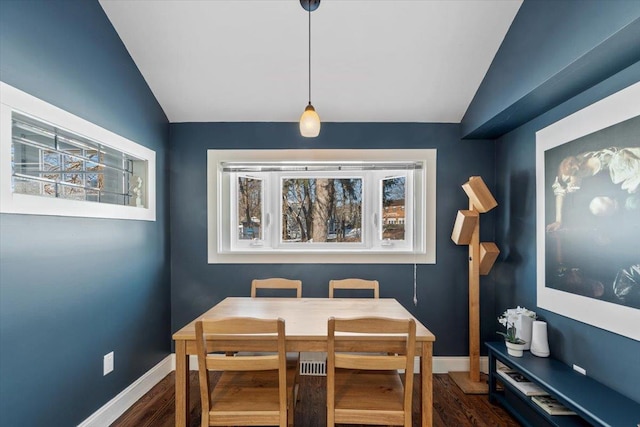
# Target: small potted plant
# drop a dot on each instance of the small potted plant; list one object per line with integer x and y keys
{"x": 515, "y": 345}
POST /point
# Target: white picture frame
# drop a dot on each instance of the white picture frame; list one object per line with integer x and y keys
{"x": 613, "y": 110}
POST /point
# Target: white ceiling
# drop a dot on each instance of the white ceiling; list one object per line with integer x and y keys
{"x": 372, "y": 61}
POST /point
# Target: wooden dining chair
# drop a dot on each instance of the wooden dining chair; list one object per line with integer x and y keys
{"x": 293, "y": 358}
{"x": 253, "y": 389}
{"x": 365, "y": 387}
{"x": 354, "y": 284}
{"x": 276, "y": 283}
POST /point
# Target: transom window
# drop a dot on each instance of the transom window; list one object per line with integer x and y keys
{"x": 51, "y": 162}
{"x": 321, "y": 207}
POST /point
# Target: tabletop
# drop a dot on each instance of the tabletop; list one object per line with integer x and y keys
{"x": 306, "y": 318}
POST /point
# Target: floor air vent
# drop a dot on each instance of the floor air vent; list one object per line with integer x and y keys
{"x": 313, "y": 363}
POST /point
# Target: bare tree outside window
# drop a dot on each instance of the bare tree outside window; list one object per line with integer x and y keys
{"x": 249, "y": 208}
{"x": 322, "y": 210}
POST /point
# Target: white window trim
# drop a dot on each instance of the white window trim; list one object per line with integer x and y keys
{"x": 406, "y": 243}
{"x": 371, "y": 228}
{"x": 237, "y": 244}
{"x": 12, "y": 99}
{"x": 427, "y": 256}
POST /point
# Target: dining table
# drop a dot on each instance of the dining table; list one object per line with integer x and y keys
{"x": 306, "y": 331}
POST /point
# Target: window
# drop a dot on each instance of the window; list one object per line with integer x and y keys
{"x": 249, "y": 195}
{"x": 321, "y": 210}
{"x": 394, "y": 200}
{"x": 337, "y": 208}
{"x": 50, "y": 162}
{"x": 54, "y": 163}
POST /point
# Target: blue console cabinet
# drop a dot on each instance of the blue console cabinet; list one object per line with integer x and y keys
{"x": 593, "y": 402}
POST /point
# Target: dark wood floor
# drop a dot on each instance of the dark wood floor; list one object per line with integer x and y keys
{"x": 452, "y": 408}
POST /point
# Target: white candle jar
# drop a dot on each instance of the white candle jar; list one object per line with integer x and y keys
{"x": 524, "y": 326}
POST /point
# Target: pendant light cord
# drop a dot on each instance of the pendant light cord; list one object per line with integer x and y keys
{"x": 309, "y": 9}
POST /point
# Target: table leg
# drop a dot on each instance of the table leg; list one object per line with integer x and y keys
{"x": 182, "y": 384}
{"x": 426, "y": 373}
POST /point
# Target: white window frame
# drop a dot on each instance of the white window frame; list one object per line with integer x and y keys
{"x": 237, "y": 244}
{"x": 371, "y": 213}
{"x": 407, "y": 243}
{"x": 219, "y": 211}
{"x": 14, "y": 100}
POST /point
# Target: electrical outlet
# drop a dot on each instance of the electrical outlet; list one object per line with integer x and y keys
{"x": 579, "y": 369}
{"x": 107, "y": 365}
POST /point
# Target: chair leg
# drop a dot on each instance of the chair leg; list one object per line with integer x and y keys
{"x": 293, "y": 398}
{"x": 291, "y": 406}
{"x": 296, "y": 381}
{"x": 330, "y": 420}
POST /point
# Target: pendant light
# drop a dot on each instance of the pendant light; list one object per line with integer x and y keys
{"x": 310, "y": 120}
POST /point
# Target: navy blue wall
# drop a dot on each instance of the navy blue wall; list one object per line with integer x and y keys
{"x": 442, "y": 288}
{"x": 73, "y": 289}
{"x": 610, "y": 358}
{"x": 558, "y": 57}
{"x": 554, "y": 50}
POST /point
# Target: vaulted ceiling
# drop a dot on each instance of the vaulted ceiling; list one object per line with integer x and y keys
{"x": 371, "y": 61}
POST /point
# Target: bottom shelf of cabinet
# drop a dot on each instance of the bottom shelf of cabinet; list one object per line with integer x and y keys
{"x": 528, "y": 414}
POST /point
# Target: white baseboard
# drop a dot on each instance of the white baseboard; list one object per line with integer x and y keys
{"x": 127, "y": 397}
{"x": 441, "y": 364}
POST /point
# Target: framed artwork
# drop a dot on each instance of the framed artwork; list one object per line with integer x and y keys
{"x": 588, "y": 214}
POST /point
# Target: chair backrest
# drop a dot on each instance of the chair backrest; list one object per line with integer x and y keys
{"x": 354, "y": 284}
{"x": 369, "y": 356}
{"x": 211, "y": 335}
{"x": 276, "y": 283}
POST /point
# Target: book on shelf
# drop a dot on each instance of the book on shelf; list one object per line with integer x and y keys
{"x": 520, "y": 382}
{"x": 551, "y": 406}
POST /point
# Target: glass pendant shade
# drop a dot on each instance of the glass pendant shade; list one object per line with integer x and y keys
{"x": 310, "y": 122}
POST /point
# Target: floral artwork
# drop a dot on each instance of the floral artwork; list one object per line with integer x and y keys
{"x": 592, "y": 231}
{"x": 588, "y": 214}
